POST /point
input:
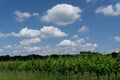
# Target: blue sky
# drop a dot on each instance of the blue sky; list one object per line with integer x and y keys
{"x": 59, "y": 26}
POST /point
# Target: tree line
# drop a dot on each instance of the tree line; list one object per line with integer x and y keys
{"x": 35, "y": 56}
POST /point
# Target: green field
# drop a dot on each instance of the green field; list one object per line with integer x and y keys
{"x": 23, "y": 75}
{"x": 81, "y": 67}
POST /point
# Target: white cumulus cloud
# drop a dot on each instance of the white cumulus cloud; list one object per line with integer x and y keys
{"x": 75, "y": 36}
{"x": 66, "y": 43}
{"x": 51, "y": 31}
{"x": 62, "y": 14}
{"x": 22, "y": 16}
{"x": 28, "y": 33}
{"x": 8, "y": 46}
{"x": 2, "y": 35}
{"x": 35, "y": 14}
{"x": 44, "y": 32}
{"x": 109, "y": 10}
{"x": 117, "y": 38}
{"x": 81, "y": 40}
{"x": 30, "y": 41}
{"x": 29, "y": 49}
{"x": 89, "y": 46}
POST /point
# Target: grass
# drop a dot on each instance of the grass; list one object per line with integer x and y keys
{"x": 23, "y": 75}
{"x": 10, "y": 75}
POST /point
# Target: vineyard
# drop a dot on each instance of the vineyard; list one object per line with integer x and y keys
{"x": 81, "y": 67}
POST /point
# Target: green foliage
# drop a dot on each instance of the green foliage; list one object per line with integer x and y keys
{"x": 99, "y": 64}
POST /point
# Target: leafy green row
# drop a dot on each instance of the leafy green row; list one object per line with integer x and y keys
{"x": 99, "y": 64}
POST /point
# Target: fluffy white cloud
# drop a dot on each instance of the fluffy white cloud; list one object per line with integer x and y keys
{"x": 89, "y": 47}
{"x": 51, "y": 31}
{"x": 44, "y": 32}
{"x": 83, "y": 29}
{"x": 117, "y": 38}
{"x": 25, "y": 50}
{"x": 28, "y": 42}
{"x": 23, "y": 33}
{"x": 81, "y": 40}
{"x": 66, "y": 46}
{"x": 62, "y": 14}
{"x": 66, "y": 43}
{"x": 21, "y": 16}
{"x": 28, "y": 33}
{"x": 29, "y": 49}
{"x": 110, "y": 10}
{"x": 75, "y": 36}
{"x": 8, "y": 46}
{"x": 48, "y": 50}
{"x": 35, "y": 14}
{"x": 2, "y": 35}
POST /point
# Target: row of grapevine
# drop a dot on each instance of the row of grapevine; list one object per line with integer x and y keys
{"x": 99, "y": 64}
